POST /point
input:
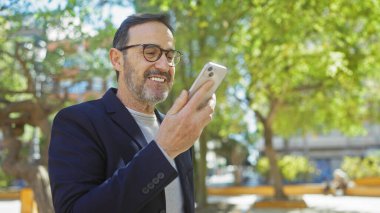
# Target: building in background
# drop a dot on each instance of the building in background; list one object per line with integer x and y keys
{"x": 327, "y": 151}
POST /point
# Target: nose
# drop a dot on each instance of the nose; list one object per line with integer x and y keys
{"x": 162, "y": 64}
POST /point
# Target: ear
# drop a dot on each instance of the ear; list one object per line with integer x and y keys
{"x": 116, "y": 58}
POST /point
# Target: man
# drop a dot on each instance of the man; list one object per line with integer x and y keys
{"x": 118, "y": 154}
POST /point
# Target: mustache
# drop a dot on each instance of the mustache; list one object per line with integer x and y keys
{"x": 157, "y": 72}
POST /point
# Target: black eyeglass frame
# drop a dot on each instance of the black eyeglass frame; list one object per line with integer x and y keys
{"x": 177, "y": 54}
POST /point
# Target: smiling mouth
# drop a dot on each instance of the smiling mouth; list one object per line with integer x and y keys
{"x": 158, "y": 76}
{"x": 157, "y": 79}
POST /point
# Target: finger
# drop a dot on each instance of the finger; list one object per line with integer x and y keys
{"x": 210, "y": 102}
{"x": 179, "y": 103}
{"x": 206, "y": 113}
{"x": 204, "y": 117}
{"x": 199, "y": 96}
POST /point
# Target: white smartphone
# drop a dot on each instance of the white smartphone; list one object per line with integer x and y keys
{"x": 213, "y": 71}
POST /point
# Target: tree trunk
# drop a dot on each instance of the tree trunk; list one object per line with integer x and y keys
{"x": 40, "y": 185}
{"x": 275, "y": 174}
{"x": 238, "y": 175}
{"x": 45, "y": 127}
{"x": 34, "y": 174}
{"x": 286, "y": 146}
{"x": 237, "y": 159}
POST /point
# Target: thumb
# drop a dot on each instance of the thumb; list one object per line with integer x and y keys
{"x": 179, "y": 103}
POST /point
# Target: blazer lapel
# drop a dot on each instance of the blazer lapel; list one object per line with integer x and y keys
{"x": 119, "y": 113}
{"x": 159, "y": 115}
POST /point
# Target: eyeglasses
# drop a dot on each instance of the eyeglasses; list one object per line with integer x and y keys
{"x": 153, "y": 52}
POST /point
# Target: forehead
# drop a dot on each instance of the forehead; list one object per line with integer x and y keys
{"x": 151, "y": 33}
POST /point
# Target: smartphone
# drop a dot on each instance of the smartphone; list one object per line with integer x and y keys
{"x": 213, "y": 71}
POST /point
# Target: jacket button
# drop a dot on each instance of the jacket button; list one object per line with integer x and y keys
{"x": 145, "y": 190}
{"x": 161, "y": 175}
{"x": 155, "y": 180}
{"x": 150, "y": 185}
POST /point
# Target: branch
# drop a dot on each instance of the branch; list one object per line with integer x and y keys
{"x": 238, "y": 15}
{"x": 260, "y": 116}
{"x": 3, "y": 100}
{"x": 62, "y": 100}
{"x": 5, "y": 91}
{"x": 31, "y": 86}
{"x": 275, "y": 104}
{"x": 2, "y": 53}
{"x": 304, "y": 88}
{"x": 244, "y": 101}
{"x": 17, "y": 106}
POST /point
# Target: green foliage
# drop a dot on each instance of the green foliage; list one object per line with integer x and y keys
{"x": 5, "y": 180}
{"x": 40, "y": 41}
{"x": 317, "y": 59}
{"x": 262, "y": 167}
{"x": 305, "y": 66}
{"x": 292, "y": 168}
{"x": 357, "y": 167}
{"x": 46, "y": 49}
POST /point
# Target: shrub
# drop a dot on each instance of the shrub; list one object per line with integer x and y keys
{"x": 357, "y": 167}
{"x": 292, "y": 168}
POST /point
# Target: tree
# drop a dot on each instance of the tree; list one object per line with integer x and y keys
{"x": 301, "y": 66}
{"x": 201, "y": 42}
{"x": 307, "y": 71}
{"x": 45, "y": 51}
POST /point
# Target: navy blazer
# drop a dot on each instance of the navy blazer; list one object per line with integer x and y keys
{"x": 100, "y": 161}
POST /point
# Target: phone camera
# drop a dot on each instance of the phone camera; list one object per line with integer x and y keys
{"x": 209, "y": 69}
{"x": 210, "y": 74}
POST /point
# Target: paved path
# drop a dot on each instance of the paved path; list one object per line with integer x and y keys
{"x": 316, "y": 204}
{"x": 10, "y": 206}
{"x": 242, "y": 204}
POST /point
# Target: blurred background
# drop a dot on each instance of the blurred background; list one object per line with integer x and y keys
{"x": 300, "y": 105}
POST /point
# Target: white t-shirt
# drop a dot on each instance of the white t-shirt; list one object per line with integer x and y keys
{"x": 149, "y": 126}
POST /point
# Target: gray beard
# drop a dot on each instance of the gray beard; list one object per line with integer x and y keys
{"x": 143, "y": 94}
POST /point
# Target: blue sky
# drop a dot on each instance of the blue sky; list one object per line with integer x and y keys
{"x": 117, "y": 13}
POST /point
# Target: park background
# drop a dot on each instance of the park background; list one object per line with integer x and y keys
{"x": 301, "y": 98}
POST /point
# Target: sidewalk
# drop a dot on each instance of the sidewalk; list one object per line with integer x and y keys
{"x": 10, "y": 206}
{"x": 316, "y": 203}
{"x": 242, "y": 204}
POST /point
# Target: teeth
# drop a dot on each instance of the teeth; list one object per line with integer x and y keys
{"x": 161, "y": 80}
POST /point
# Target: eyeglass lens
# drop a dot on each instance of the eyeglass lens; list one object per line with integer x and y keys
{"x": 153, "y": 53}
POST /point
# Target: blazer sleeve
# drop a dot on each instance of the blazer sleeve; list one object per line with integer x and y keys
{"x": 77, "y": 164}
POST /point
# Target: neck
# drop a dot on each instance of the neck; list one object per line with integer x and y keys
{"x": 132, "y": 102}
